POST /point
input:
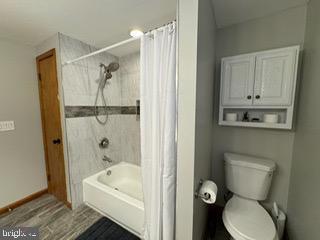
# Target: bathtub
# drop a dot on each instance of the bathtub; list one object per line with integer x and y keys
{"x": 117, "y": 193}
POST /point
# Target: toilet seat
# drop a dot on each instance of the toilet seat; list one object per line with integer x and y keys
{"x": 247, "y": 220}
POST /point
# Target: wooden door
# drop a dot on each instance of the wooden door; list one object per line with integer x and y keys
{"x": 237, "y": 81}
{"x": 51, "y": 124}
{"x": 274, "y": 81}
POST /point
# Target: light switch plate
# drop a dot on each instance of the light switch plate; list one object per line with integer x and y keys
{"x": 6, "y": 126}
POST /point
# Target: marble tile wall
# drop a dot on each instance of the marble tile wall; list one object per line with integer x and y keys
{"x": 130, "y": 78}
{"x": 80, "y": 79}
{"x": 130, "y": 127}
{"x": 85, "y": 156}
{"x": 79, "y": 82}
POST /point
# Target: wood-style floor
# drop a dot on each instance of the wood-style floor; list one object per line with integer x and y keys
{"x": 54, "y": 219}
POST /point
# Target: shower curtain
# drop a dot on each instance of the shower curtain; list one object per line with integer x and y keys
{"x": 158, "y": 131}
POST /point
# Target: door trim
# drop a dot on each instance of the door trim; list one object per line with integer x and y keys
{"x": 50, "y": 53}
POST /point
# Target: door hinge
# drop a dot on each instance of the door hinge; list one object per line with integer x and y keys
{"x": 39, "y": 76}
{"x": 49, "y": 178}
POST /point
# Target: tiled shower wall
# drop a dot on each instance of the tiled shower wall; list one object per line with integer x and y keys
{"x": 130, "y": 85}
{"x": 80, "y": 82}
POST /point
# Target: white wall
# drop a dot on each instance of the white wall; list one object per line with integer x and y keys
{"x": 204, "y": 108}
{"x": 22, "y": 164}
{"x": 187, "y": 78}
{"x": 195, "y": 112}
{"x": 304, "y": 195}
{"x": 279, "y": 30}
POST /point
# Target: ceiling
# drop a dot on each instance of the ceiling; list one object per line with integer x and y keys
{"x": 229, "y": 12}
{"x": 104, "y": 22}
{"x": 97, "y": 22}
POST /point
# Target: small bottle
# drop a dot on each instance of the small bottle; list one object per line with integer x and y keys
{"x": 245, "y": 117}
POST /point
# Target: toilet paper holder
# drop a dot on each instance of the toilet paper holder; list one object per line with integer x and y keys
{"x": 197, "y": 193}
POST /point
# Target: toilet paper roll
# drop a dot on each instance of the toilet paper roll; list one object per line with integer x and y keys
{"x": 210, "y": 189}
{"x": 231, "y": 117}
{"x": 271, "y": 118}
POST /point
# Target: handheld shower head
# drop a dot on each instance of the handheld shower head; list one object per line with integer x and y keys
{"x": 112, "y": 67}
{"x": 105, "y": 74}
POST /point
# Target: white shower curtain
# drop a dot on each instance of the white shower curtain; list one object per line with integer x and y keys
{"x": 158, "y": 128}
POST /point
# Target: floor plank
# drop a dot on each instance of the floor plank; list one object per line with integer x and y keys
{"x": 54, "y": 219}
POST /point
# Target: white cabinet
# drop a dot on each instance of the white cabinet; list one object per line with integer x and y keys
{"x": 238, "y": 80}
{"x": 258, "y": 82}
{"x": 274, "y": 77}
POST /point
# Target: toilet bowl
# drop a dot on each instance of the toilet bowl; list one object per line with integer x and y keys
{"x": 247, "y": 220}
{"x": 249, "y": 178}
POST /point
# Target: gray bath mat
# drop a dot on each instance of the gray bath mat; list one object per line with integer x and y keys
{"x": 105, "y": 229}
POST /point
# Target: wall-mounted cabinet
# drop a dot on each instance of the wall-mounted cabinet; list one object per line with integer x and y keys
{"x": 261, "y": 82}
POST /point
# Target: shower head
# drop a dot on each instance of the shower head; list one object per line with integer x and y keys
{"x": 112, "y": 67}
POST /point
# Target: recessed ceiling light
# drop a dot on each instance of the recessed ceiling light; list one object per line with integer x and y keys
{"x": 136, "y": 33}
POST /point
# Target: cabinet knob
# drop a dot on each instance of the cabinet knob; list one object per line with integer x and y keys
{"x": 258, "y": 97}
{"x": 249, "y": 97}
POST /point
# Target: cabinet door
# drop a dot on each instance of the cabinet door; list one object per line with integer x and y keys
{"x": 237, "y": 78}
{"x": 275, "y": 77}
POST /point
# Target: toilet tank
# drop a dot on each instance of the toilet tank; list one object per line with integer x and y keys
{"x": 247, "y": 176}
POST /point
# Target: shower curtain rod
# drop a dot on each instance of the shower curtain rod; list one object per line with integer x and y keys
{"x": 101, "y": 50}
{"x": 112, "y": 46}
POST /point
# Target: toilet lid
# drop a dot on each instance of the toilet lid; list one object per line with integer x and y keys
{"x": 248, "y": 220}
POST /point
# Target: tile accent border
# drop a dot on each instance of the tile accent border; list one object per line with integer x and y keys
{"x": 89, "y": 111}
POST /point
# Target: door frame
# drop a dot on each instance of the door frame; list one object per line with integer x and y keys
{"x": 51, "y": 53}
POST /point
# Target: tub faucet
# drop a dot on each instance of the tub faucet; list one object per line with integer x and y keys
{"x": 106, "y": 159}
{"x": 104, "y": 143}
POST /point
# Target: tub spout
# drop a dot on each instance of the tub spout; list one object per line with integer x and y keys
{"x": 106, "y": 159}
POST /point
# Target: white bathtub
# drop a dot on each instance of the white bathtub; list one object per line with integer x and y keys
{"x": 118, "y": 196}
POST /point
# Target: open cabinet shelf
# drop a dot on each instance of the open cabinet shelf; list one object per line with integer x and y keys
{"x": 255, "y": 124}
{"x": 284, "y": 117}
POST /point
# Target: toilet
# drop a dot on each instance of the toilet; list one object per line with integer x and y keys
{"x": 249, "y": 179}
